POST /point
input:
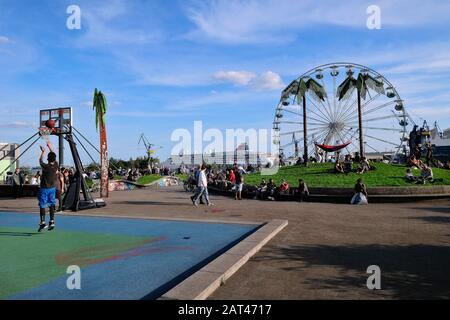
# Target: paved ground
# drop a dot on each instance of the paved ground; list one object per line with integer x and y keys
{"x": 325, "y": 250}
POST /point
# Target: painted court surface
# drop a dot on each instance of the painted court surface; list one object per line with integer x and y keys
{"x": 119, "y": 258}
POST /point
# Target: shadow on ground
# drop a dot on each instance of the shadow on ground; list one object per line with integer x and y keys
{"x": 435, "y": 209}
{"x": 408, "y": 272}
{"x": 153, "y": 203}
{"x": 18, "y": 234}
{"x": 433, "y": 219}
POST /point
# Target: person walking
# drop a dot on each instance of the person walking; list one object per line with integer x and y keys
{"x": 302, "y": 190}
{"x": 18, "y": 181}
{"x": 202, "y": 187}
{"x": 239, "y": 184}
{"x": 60, "y": 189}
{"x": 429, "y": 158}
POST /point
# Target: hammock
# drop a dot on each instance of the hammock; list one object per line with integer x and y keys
{"x": 326, "y": 148}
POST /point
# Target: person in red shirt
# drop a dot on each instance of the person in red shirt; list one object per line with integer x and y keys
{"x": 231, "y": 177}
{"x": 284, "y": 186}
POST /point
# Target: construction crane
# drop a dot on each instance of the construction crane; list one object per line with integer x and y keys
{"x": 296, "y": 148}
{"x": 149, "y": 147}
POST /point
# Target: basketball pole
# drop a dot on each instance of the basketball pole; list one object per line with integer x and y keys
{"x": 61, "y": 138}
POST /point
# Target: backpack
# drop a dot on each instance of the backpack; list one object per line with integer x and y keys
{"x": 196, "y": 176}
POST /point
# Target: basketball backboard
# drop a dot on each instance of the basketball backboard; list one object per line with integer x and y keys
{"x": 56, "y": 114}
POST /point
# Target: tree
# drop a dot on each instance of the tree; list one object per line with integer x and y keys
{"x": 362, "y": 83}
{"x": 92, "y": 167}
{"x": 100, "y": 107}
{"x": 300, "y": 89}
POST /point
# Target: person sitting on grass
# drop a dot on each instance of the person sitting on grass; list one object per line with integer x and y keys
{"x": 409, "y": 176}
{"x": 231, "y": 176}
{"x": 284, "y": 186}
{"x": 363, "y": 165}
{"x": 302, "y": 191}
{"x": 261, "y": 189}
{"x": 270, "y": 190}
{"x": 360, "y": 197}
{"x": 414, "y": 162}
{"x": 426, "y": 175}
{"x": 338, "y": 168}
{"x": 447, "y": 165}
{"x": 439, "y": 164}
{"x": 222, "y": 180}
{"x": 348, "y": 164}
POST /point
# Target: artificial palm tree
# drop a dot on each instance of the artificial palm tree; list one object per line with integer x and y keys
{"x": 362, "y": 83}
{"x": 100, "y": 106}
{"x": 319, "y": 93}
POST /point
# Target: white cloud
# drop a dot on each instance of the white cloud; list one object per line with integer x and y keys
{"x": 109, "y": 24}
{"x": 437, "y": 112}
{"x": 267, "y": 81}
{"x": 4, "y": 40}
{"x": 241, "y": 78}
{"x": 221, "y": 99}
{"x": 15, "y": 125}
{"x": 262, "y": 21}
{"x": 145, "y": 114}
{"x": 86, "y": 104}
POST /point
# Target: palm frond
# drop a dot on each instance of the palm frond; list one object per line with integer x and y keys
{"x": 317, "y": 90}
{"x": 100, "y": 106}
{"x": 345, "y": 89}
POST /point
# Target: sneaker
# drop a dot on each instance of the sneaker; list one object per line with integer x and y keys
{"x": 211, "y": 204}
{"x": 42, "y": 226}
{"x": 51, "y": 225}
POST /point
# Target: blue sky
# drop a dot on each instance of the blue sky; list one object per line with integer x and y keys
{"x": 165, "y": 64}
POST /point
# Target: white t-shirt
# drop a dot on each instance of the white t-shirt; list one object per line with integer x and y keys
{"x": 202, "y": 182}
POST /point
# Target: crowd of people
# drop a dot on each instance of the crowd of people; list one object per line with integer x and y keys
{"x": 415, "y": 159}
{"x": 347, "y": 166}
{"x": 133, "y": 174}
{"x": 231, "y": 179}
{"x": 415, "y": 162}
{"x": 225, "y": 178}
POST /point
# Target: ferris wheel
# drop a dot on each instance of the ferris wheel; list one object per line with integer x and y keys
{"x": 341, "y": 106}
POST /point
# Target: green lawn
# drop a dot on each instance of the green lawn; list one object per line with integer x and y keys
{"x": 322, "y": 175}
{"x": 148, "y": 179}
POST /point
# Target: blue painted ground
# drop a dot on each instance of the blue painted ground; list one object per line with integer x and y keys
{"x": 143, "y": 271}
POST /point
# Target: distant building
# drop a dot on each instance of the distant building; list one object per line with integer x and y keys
{"x": 242, "y": 155}
{"x": 8, "y": 155}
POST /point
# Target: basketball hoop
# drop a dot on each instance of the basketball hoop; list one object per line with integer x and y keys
{"x": 45, "y": 133}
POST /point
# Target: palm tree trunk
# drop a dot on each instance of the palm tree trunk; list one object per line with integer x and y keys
{"x": 361, "y": 136}
{"x": 103, "y": 160}
{"x": 305, "y": 133}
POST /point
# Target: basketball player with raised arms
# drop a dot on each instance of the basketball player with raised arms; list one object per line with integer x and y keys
{"x": 47, "y": 191}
